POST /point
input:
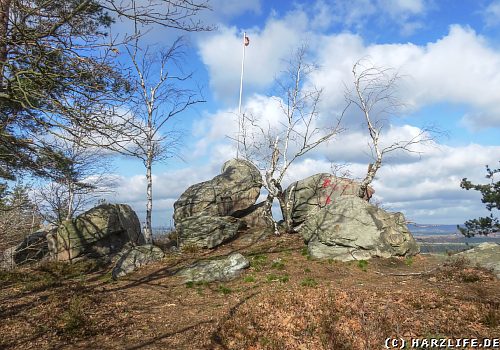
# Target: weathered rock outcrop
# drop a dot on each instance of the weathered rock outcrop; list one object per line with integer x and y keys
{"x": 100, "y": 231}
{"x": 33, "y": 248}
{"x": 133, "y": 258}
{"x": 486, "y": 255}
{"x": 236, "y": 188}
{"x": 254, "y": 216}
{"x": 350, "y": 228}
{"x": 215, "y": 270}
{"x": 207, "y": 231}
{"x": 316, "y": 191}
{"x": 204, "y": 213}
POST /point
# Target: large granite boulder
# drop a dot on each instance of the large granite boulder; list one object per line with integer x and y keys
{"x": 486, "y": 255}
{"x": 254, "y": 217}
{"x": 133, "y": 258}
{"x": 236, "y": 188}
{"x": 316, "y": 191}
{"x": 215, "y": 270}
{"x": 206, "y": 231}
{"x": 98, "y": 232}
{"x": 33, "y": 248}
{"x": 350, "y": 228}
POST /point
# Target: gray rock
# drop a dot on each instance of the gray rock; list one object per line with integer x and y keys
{"x": 133, "y": 258}
{"x": 254, "y": 216}
{"x": 100, "y": 231}
{"x": 486, "y": 255}
{"x": 207, "y": 231}
{"x": 216, "y": 270}
{"x": 8, "y": 261}
{"x": 350, "y": 228}
{"x": 317, "y": 191}
{"x": 236, "y": 188}
{"x": 33, "y": 248}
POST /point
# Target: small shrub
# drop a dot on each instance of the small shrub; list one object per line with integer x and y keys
{"x": 249, "y": 279}
{"x": 225, "y": 290}
{"x": 277, "y": 278}
{"x": 307, "y": 270}
{"x": 278, "y": 264}
{"x": 492, "y": 317}
{"x": 363, "y": 265}
{"x": 166, "y": 240}
{"x": 258, "y": 262}
{"x": 75, "y": 321}
{"x": 191, "y": 284}
{"x": 409, "y": 261}
{"x": 304, "y": 251}
{"x": 457, "y": 263}
{"x": 470, "y": 277}
{"x": 308, "y": 282}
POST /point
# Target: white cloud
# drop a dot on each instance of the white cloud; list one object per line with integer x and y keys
{"x": 460, "y": 68}
{"x": 355, "y": 14}
{"x": 167, "y": 188}
{"x": 405, "y": 8}
{"x": 222, "y": 53}
{"x": 492, "y": 14}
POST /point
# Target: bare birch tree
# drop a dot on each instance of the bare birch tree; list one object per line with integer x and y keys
{"x": 273, "y": 149}
{"x": 56, "y": 55}
{"x": 159, "y": 95}
{"x": 375, "y": 95}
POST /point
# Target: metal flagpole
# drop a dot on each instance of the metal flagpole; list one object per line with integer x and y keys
{"x": 241, "y": 92}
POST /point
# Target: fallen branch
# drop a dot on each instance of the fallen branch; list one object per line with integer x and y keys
{"x": 408, "y": 273}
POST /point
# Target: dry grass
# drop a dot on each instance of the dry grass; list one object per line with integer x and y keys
{"x": 285, "y": 300}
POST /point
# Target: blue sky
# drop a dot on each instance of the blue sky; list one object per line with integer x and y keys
{"x": 448, "y": 52}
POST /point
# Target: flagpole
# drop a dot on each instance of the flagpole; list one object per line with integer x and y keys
{"x": 241, "y": 92}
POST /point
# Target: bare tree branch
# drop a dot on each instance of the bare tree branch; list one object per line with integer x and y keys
{"x": 273, "y": 149}
{"x": 375, "y": 95}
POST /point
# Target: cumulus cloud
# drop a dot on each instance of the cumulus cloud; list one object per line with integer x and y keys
{"x": 222, "y": 53}
{"x": 459, "y": 68}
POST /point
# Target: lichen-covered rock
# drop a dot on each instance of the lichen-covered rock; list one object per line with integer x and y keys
{"x": 100, "y": 231}
{"x": 215, "y": 270}
{"x": 486, "y": 255}
{"x": 33, "y": 248}
{"x": 236, "y": 188}
{"x": 350, "y": 228}
{"x": 133, "y": 258}
{"x": 316, "y": 191}
{"x": 207, "y": 231}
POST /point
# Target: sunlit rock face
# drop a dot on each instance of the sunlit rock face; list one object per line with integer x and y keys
{"x": 350, "y": 228}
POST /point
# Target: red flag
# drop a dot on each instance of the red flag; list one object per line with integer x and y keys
{"x": 247, "y": 40}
